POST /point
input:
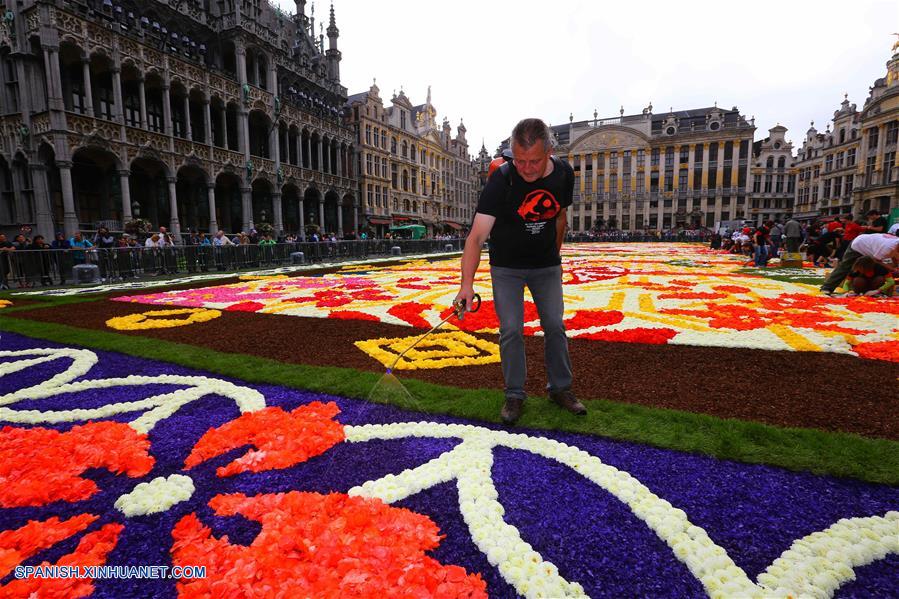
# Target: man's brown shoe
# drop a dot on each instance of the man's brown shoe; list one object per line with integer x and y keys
{"x": 567, "y": 400}
{"x": 512, "y": 409}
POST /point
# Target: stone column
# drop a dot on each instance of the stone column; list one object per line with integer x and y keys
{"x": 118, "y": 108}
{"x": 340, "y": 219}
{"x": 124, "y": 179}
{"x": 272, "y": 77}
{"x": 241, "y": 54}
{"x": 356, "y": 219}
{"x": 676, "y": 171}
{"x": 302, "y": 220}
{"x": 705, "y": 166}
{"x": 321, "y": 164}
{"x": 279, "y": 216}
{"x": 54, "y": 78}
{"x": 719, "y": 160}
{"x": 620, "y": 205}
{"x": 735, "y": 168}
{"x": 167, "y": 108}
{"x": 321, "y": 213}
{"x": 243, "y": 133}
{"x": 207, "y": 121}
{"x": 88, "y": 92}
{"x": 691, "y": 164}
{"x": 43, "y": 216}
{"x": 210, "y": 195}
{"x": 187, "y": 128}
{"x": 70, "y": 218}
{"x": 606, "y": 173}
{"x": 881, "y": 144}
{"x": 339, "y": 164}
{"x": 174, "y": 223}
{"x": 274, "y": 145}
{"x": 224, "y": 126}
{"x": 143, "y": 104}
{"x": 247, "y": 205}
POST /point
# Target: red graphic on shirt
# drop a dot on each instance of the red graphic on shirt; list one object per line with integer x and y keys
{"x": 538, "y": 205}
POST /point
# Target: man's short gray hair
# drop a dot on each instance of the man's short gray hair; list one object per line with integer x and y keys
{"x": 529, "y": 132}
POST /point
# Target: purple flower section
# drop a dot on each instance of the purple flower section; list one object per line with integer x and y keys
{"x": 753, "y": 512}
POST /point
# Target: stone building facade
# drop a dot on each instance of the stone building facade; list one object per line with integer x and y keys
{"x": 773, "y": 176}
{"x": 410, "y": 170}
{"x": 827, "y": 166}
{"x": 657, "y": 171}
{"x": 193, "y": 115}
{"x": 877, "y": 177}
{"x": 855, "y": 167}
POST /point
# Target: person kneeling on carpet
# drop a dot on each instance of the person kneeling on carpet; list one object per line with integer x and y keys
{"x": 868, "y": 277}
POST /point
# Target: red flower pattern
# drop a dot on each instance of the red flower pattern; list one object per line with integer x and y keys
{"x": 314, "y": 545}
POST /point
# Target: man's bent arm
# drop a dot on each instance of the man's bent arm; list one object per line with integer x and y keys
{"x": 561, "y": 225}
{"x": 471, "y": 255}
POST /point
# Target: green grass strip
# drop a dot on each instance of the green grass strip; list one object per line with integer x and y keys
{"x": 820, "y": 452}
{"x": 41, "y": 302}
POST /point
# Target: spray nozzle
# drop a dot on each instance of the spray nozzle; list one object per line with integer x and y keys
{"x": 460, "y": 304}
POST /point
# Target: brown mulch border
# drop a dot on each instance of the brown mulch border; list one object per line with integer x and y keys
{"x": 826, "y": 391}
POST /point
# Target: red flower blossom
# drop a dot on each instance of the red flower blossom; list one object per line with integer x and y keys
{"x": 245, "y": 307}
{"x": 40, "y": 465}
{"x": 92, "y": 550}
{"x": 691, "y": 295}
{"x": 353, "y": 315}
{"x": 584, "y": 319}
{"x": 636, "y": 335}
{"x": 880, "y": 350}
{"x": 314, "y": 545}
{"x": 485, "y": 317}
{"x": 282, "y": 439}
{"x": 410, "y": 312}
{"x": 731, "y": 288}
{"x": 18, "y": 545}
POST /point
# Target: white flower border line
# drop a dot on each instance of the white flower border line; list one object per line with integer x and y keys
{"x": 814, "y": 566}
{"x": 158, "y": 407}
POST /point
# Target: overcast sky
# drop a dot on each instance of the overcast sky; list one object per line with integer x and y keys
{"x": 783, "y": 61}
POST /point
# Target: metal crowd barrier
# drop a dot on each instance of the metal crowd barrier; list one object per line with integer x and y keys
{"x": 33, "y": 268}
{"x": 639, "y": 238}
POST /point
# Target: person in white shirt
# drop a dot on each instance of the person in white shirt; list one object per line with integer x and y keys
{"x": 894, "y": 230}
{"x": 152, "y": 242}
{"x": 221, "y": 239}
{"x": 880, "y": 246}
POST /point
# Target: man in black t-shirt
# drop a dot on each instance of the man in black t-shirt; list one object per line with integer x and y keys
{"x": 877, "y": 223}
{"x": 523, "y": 211}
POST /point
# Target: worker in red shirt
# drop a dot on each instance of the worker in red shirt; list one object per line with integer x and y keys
{"x": 851, "y": 230}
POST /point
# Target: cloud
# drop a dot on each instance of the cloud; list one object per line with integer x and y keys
{"x": 494, "y": 63}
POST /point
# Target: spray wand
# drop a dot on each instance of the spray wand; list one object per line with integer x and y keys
{"x": 458, "y": 312}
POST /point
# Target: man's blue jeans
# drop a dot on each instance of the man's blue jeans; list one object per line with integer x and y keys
{"x": 545, "y": 285}
{"x": 761, "y": 255}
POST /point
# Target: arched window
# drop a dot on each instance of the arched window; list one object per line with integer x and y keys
{"x": 405, "y": 149}
{"x": 781, "y": 162}
{"x": 770, "y": 163}
{"x": 393, "y": 145}
{"x": 405, "y": 180}
{"x": 412, "y": 153}
{"x": 414, "y": 206}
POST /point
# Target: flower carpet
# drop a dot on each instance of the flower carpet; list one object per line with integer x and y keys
{"x": 115, "y": 460}
{"x": 642, "y": 293}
